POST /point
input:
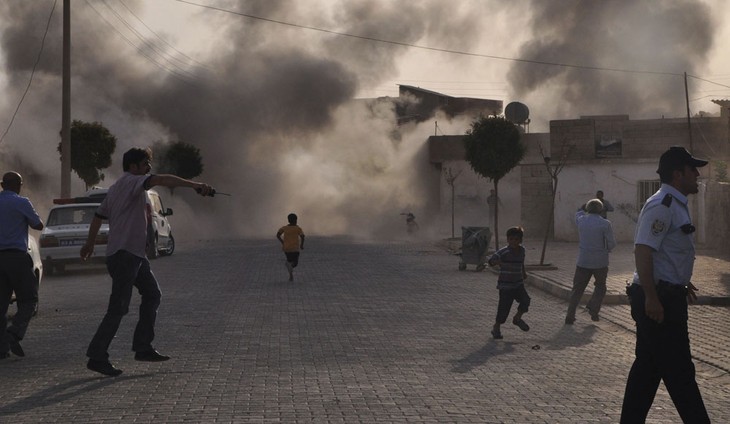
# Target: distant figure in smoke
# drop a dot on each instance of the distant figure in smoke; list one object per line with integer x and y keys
{"x": 16, "y": 265}
{"x": 292, "y": 241}
{"x": 411, "y": 224}
{"x": 493, "y": 201}
{"x": 125, "y": 208}
{"x": 607, "y": 207}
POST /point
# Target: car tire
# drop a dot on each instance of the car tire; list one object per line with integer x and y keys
{"x": 152, "y": 252}
{"x": 48, "y": 267}
{"x": 170, "y": 246}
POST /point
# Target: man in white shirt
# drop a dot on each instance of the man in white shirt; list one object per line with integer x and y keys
{"x": 596, "y": 241}
{"x": 125, "y": 206}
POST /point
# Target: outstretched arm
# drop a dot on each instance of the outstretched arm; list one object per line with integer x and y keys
{"x": 169, "y": 180}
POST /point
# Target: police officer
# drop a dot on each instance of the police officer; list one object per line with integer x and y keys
{"x": 16, "y": 265}
{"x": 664, "y": 254}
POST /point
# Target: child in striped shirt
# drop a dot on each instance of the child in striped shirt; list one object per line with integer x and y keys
{"x": 511, "y": 281}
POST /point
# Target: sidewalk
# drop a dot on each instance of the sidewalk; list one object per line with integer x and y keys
{"x": 711, "y": 272}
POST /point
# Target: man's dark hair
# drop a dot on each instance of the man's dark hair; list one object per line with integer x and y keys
{"x": 135, "y": 155}
{"x": 516, "y": 231}
{"x": 292, "y": 217}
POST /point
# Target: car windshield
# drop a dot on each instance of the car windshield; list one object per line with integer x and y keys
{"x": 69, "y": 216}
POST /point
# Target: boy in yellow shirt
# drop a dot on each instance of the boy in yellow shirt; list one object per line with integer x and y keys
{"x": 290, "y": 236}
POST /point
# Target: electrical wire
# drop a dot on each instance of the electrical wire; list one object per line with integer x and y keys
{"x": 160, "y": 37}
{"x": 32, "y": 73}
{"x": 417, "y": 46}
{"x": 174, "y": 73}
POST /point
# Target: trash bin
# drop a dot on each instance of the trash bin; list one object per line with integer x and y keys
{"x": 474, "y": 244}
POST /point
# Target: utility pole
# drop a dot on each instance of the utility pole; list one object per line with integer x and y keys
{"x": 689, "y": 123}
{"x": 66, "y": 103}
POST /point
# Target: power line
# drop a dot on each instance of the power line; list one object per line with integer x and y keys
{"x": 32, "y": 73}
{"x": 159, "y": 37}
{"x": 174, "y": 73}
{"x": 417, "y": 46}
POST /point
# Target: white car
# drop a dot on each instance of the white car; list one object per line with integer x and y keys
{"x": 160, "y": 241}
{"x": 66, "y": 230}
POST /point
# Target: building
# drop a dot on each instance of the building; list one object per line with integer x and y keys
{"x": 610, "y": 153}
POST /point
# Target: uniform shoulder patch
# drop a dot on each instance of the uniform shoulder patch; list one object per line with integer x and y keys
{"x": 657, "y": 227}
{"x": 667, "y": 200}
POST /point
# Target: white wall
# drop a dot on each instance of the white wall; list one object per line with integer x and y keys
{"x": 579, "y": 183}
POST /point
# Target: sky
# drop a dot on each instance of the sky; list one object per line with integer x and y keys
{"x": 265, "y": 89}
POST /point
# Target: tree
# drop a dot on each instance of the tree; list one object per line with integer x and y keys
{"x": 92, "y": 146}
{"x": 493, "y": 148}
{"x": 554, "y": 169}
{"x": 178, "y": 158}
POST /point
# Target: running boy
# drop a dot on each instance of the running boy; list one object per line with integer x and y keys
{"x": 290, "y": 236}
{"x": 511, "y": 262}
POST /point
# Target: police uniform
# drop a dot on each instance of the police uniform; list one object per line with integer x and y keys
{"x": 662, "y": 349}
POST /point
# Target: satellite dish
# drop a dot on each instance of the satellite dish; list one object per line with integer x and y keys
{"x": 517, "y": 113}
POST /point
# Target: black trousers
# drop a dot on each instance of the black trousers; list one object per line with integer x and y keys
{"x": 506, "y": 297}
{"x": 662, "y": 353}
{"x": 16, "y": 275}
{"x": 292, "y": 258}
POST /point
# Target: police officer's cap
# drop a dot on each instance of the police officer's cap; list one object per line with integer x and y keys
{"x": 676, "y": 158}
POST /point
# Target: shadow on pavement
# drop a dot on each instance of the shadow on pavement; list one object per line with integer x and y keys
{"x": 61, "y": 392}
{"x": 481, "y": 356}
{"x": 575, "y": 335}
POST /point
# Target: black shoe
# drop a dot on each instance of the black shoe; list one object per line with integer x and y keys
{"x": 150, "y": 356}
{"x": 594, "y": 315}
{"x": 103, "y": 367}
{"x": 569, "y": 320}
{"x": 522, "y": 324}
{"x": 15, "y": 345}
{"x": 4, "y": 355}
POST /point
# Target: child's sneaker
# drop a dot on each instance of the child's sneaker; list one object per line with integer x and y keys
{"x": 522, "y": 324}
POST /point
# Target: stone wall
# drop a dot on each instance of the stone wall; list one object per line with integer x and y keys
{"x": 718, "y": 212}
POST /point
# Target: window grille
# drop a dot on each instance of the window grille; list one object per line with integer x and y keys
{"x": 644, "y": 190}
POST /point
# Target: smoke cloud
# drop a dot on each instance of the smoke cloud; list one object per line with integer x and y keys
{"x": 670, "y": 37}
{"x": 272, "y": 107}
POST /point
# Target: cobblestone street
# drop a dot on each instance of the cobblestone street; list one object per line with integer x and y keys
{"x": 367, "y": 332}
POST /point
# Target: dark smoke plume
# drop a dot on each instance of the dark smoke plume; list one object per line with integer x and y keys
{"x": 673, "y": 37}
{"x": 271, "y": 109}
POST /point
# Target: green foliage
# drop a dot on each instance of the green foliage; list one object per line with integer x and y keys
{"x": 493, "y": 147}
{"x": 178, "y": 158}
{"x": 92, "y": 146}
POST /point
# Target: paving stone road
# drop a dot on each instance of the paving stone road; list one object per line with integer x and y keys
{"x": 369, "y": 332}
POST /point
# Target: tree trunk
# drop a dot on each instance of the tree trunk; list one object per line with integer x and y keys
{"x": 550, "y": 222}
{"x": 496, "y": 215}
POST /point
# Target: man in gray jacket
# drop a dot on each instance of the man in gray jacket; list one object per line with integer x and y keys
{"x": 596, "y": 240}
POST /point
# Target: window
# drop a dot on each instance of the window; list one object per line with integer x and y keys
{"x": 644, "y": 190}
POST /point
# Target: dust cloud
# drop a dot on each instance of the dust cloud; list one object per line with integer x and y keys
{"x": 272, "y": 107}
